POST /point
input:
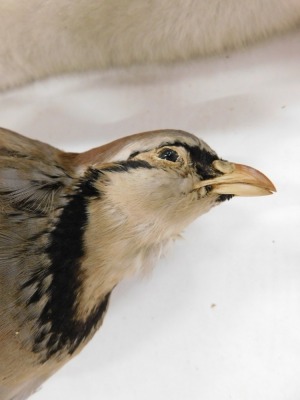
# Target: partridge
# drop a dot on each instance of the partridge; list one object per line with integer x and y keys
{"x": 74, "y": 225}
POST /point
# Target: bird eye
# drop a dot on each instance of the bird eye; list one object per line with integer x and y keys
{"x": 169, "y": 155}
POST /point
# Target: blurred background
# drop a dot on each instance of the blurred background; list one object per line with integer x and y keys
{"x": 219, "y": 317}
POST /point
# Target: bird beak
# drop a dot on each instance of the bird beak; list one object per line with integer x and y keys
{"x": 238, "y": 180}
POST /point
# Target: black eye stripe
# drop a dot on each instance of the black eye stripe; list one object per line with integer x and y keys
{"x": 198, "y": 155}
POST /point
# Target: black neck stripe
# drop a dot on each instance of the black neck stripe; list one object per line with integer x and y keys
{"x": 65, "y": 252}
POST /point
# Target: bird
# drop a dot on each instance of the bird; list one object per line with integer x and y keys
{"x": 73, "y": 225}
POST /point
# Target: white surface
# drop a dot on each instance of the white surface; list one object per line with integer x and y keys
{"x": 219, "y": 319}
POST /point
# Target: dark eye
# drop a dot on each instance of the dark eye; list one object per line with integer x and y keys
{"x": 169, "y": 155}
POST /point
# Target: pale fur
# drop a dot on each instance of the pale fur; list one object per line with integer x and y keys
{"x": 42, "y": 38}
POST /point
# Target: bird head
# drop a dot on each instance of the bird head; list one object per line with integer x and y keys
{"x": 166, "y": 179}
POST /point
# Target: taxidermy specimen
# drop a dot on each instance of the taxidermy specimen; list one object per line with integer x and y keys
{"x": 73, "y": 225}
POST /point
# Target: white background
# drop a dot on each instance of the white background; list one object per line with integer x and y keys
{"x": 219, "y": 318}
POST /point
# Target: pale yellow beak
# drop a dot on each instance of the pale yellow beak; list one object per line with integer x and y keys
{"x": 238, "y": 180}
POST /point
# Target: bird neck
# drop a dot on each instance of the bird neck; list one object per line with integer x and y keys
{"x": 116, "y": 247}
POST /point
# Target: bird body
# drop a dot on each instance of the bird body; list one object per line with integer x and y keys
{"x": 74, "y": 225}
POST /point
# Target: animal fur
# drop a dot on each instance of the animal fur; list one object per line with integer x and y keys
{"x": 43, "y": 38}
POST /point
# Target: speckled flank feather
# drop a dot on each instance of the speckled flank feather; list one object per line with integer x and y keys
{"x": 74, "y": 225}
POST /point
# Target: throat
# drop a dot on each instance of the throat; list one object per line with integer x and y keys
{"x": 115, "y": 249}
